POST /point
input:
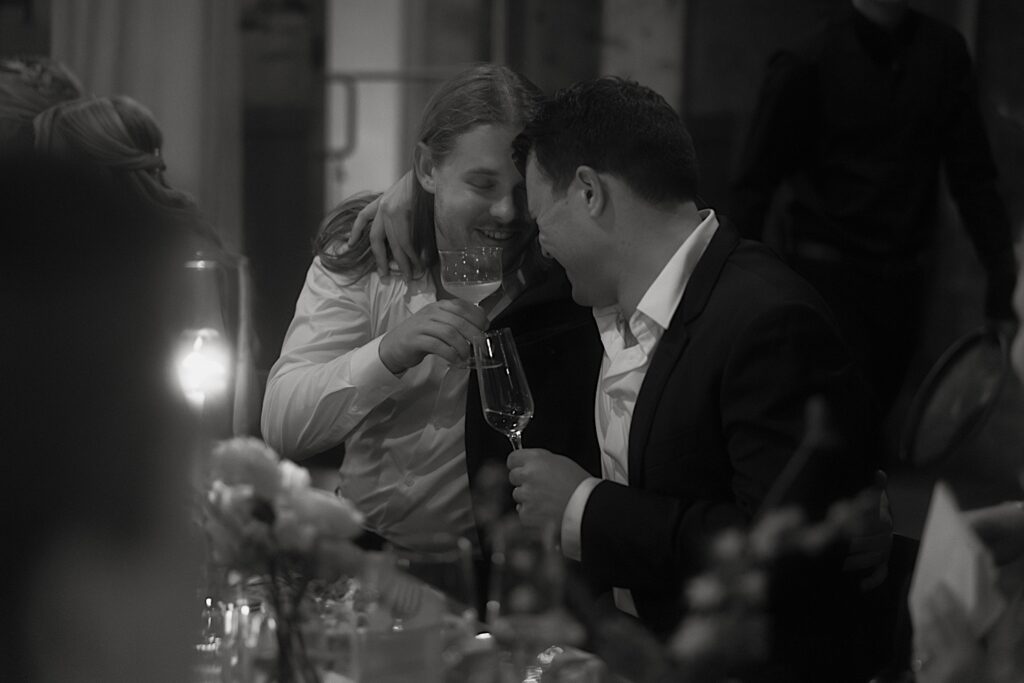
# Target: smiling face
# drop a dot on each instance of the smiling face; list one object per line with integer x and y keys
{"x": 479, "y": 196}
{"x": 572, "y": 236}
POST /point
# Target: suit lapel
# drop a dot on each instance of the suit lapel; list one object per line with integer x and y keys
{"x": 672, "y": 344}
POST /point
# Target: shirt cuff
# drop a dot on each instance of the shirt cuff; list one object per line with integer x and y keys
{"x": 572, "y": 518}
{"x": 369, "y": 372}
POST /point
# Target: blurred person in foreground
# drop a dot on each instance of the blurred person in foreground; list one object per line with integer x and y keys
{"x": 369, "y": 357}
{"x": 99, "y": 577}
{"x": 857, "y": 122}
{"x": 712, "y": 350}
{"x": 946, "y": 649}
{"x": 121, "y": 141}
{"x": 30, "y": 84}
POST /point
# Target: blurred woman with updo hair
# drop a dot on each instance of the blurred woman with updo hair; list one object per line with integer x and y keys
{"x": 118, "y": 138}
{"x": 121, "y": 137}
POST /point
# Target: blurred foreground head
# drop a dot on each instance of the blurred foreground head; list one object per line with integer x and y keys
{"x": 28, "y": 86}
{"x": 120, "y": 138}
{"x": 94, "y": 513}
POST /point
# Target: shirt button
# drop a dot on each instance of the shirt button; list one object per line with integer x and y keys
{"x": 409, "y": 480}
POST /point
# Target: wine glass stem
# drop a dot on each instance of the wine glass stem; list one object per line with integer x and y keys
{"x": 517, "y": 441}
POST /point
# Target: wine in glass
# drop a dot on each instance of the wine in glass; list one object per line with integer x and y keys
{"x": 504, "y": 393}
{"x": 471, "y": 274}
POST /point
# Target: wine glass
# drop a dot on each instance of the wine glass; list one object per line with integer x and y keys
{"x": 504, "y": 393}
{"x": 448, "y": 567}
{"x": 525, "y": 605}
{"x": 471, "y": 274}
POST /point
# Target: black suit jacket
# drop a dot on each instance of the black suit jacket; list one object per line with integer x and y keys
{"x": 720, "y": 413}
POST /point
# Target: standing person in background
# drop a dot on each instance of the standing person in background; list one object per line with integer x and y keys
{"x": 28, "y": 86}
{"x": 857, "y": 122}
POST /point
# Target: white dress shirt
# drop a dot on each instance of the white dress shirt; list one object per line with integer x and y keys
{"x": 627, "y": 354}
{"x": 404, "y": 466}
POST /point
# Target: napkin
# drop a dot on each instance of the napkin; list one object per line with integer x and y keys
{"x": 952, "y": 555}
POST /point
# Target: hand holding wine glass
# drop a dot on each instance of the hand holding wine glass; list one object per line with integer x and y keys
{"x": 504, "y": 393}
{"x": 442, "y": 328}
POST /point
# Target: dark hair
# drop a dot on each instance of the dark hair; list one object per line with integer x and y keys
{"x": 615, "y": 126}
{"x": 121, "y": 137}
{"x": 483, "y": 94}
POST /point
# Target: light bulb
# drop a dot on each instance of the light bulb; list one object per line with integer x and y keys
{"x": 203, "y": 361}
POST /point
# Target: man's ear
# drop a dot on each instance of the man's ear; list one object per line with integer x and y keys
{"x": 592, "y": 191}
{"x": 424, "y": 167}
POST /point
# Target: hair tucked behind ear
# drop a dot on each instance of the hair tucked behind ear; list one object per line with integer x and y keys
{"x": 120, "y": 136}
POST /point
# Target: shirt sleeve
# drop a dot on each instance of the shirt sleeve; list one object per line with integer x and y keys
{"x": 572, "y": 518}
{"x": 329, "y": 375}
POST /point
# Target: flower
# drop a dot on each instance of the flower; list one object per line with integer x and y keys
{"x": 263, "y": 518}
{"x": 309, "y": 515}
{"x": 248, "y": 462}
{"x": 261, "y": 510}
{"x": 729, "y": 621}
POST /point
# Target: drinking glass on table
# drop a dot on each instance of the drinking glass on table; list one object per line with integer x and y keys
{"x": 448, "y": 567}
{"x": 504, "y": 393}
{"x": 525, "y": 605}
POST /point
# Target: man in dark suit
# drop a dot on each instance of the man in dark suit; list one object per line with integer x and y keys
{"x": 712, "y": 349}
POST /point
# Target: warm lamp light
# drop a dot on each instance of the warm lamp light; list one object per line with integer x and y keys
{"x": 203, "y": 365}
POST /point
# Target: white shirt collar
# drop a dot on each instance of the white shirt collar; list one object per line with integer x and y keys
{"x": 660, "y": 301}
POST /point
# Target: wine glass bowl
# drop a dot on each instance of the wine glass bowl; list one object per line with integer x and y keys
{"x": 471, "y": 274}
{"x": 504, "y": 393}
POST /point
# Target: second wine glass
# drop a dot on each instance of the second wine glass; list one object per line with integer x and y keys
{"x": 504, "y": 392}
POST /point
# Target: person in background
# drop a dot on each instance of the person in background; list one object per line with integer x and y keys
{"x": 855, "y": 124}
{"x": 100, "y": 578}
{"x": 28, "y": 85}
{"x": 712, "y": 350}
{"x": 366, "y": 360}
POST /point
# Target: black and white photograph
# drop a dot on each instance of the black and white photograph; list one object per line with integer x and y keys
{"x": 512, "y": 341}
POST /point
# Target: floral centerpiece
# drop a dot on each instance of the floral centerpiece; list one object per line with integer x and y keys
{"x": 730, "y": 625}
{"x": 262, "y": 518}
